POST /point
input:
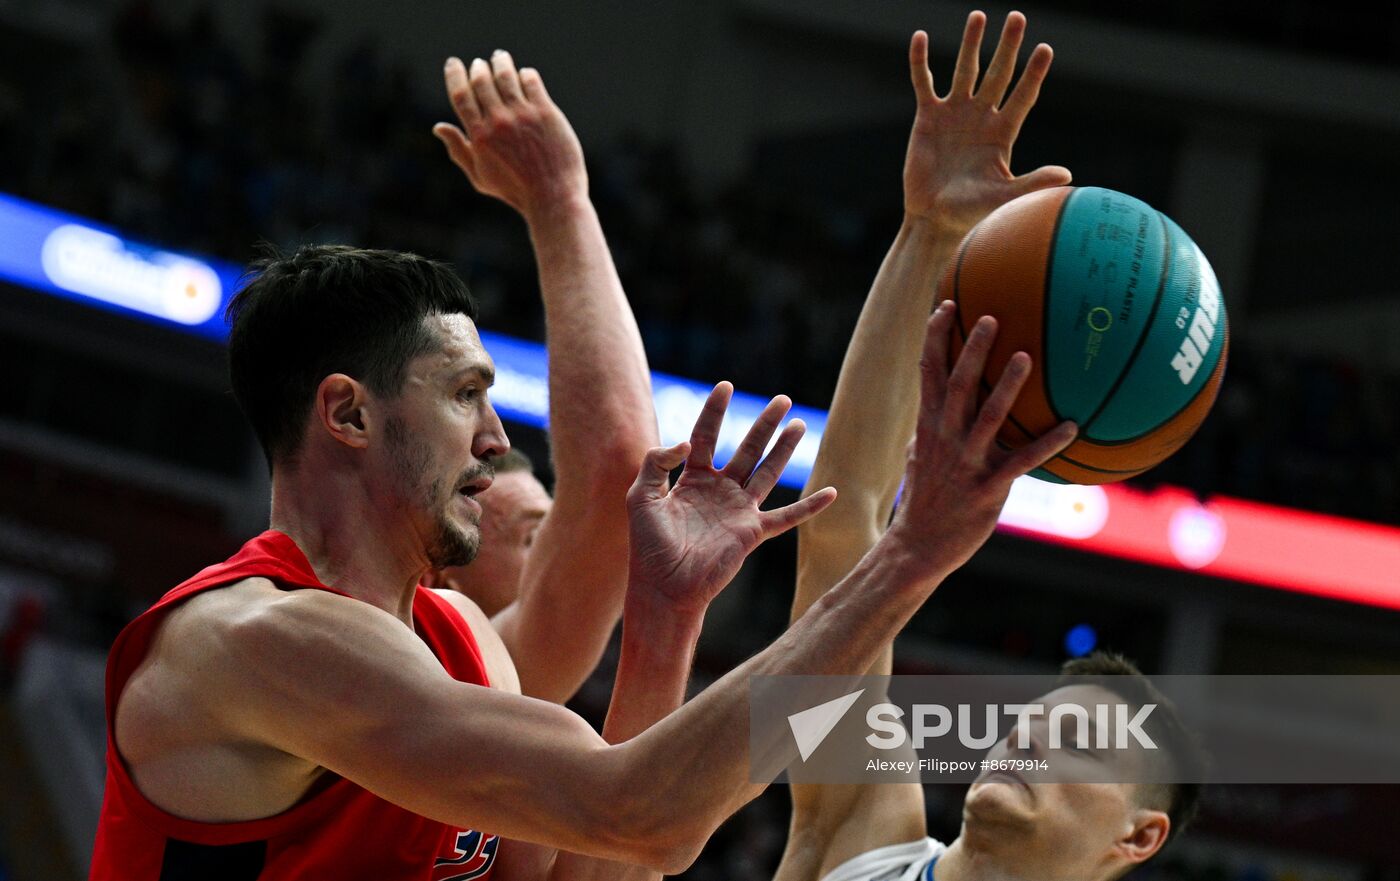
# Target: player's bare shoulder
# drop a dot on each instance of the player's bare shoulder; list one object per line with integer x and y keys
{"x": 154, "y": 708}
{"x": 499, "y": 666}
{"x": 178, "y": 722}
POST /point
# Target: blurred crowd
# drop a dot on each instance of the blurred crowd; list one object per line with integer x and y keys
{"x": 200, "y": 148}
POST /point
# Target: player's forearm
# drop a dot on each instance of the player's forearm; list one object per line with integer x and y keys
{"x": 658, "y": 645}
{"x": 879, "y": 379}
{"x": 601, "y": 416}
{"x": 694, "y": 766}
{"x": 878, "y": 386}
{"x": 601, "y": 424}
{"x": 571, "y": 596}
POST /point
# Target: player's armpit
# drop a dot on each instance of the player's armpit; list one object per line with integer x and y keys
{"x": 347, "y": 686}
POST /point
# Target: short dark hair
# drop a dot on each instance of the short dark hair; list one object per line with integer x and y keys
{"x": 1121, "y": 676}
{"x": 330, "y": 309}
{"x": 512, "y": 460}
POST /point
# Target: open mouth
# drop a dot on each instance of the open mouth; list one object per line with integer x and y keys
{"x": 474, "y": 486}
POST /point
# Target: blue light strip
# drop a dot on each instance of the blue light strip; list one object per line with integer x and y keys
{"x": 70, "y": 257}
{"x": 521, "y": 393}
{"x": 67, "y": 256}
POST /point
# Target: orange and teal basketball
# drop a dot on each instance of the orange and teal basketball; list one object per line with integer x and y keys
{"x": 1120, "y": 312}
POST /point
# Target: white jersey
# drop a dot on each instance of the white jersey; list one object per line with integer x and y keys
{"x": 912, "y": 861}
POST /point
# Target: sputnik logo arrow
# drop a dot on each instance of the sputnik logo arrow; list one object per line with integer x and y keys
{"x": 810, "y": 727}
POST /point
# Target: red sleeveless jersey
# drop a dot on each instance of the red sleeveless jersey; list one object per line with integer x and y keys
{"x": 342, "y": 832}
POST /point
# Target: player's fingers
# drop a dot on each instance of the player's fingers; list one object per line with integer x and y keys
{"x": 1003, "y": 65}
{"x": 780, "y": 520}
{"x": 766, "y": 475}
{"x": 533, "y": 85}
{"x": 653, "y": 479}
{"x": 483, "y": 83}
{"x": 751, "y": 448}
{"x": 965, "y": 73}
{"x": 1027, "y": 90}
{"x": 966, "y": 379}
{"x": 507, "y": 80}
{"x": 998, "y": 404}
{"x": 459, "y": 92}
{"x": 705, "y": 435}
{"x": 934, "y": 361}
{"x": 459, "y": 148}
{"x": 1042, "y": 178}
{"x": 1038, "y": 451}
{"x": 919, "y": 72}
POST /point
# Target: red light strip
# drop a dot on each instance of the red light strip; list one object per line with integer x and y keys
{"x": 1317, "y": 554}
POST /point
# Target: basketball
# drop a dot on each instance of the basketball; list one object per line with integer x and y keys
{"x": 1120, "y": 312}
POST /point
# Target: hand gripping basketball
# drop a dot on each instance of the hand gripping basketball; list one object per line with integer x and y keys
{"x": 958, "y": 476}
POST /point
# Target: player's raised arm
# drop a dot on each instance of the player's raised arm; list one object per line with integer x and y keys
{"x": 956, "y": 172}
{"x": 515, "y": 144}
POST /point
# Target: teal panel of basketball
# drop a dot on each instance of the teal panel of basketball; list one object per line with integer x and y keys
{"x": 1105, "y": 268}
{"x": 1182, "y": 346}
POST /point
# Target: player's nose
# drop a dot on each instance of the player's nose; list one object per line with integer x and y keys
{"x": 490, "y": 437}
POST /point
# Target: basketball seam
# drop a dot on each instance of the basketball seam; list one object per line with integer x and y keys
{"x": 1142, "y": 337}
{"x": 1075, "y": 462}
{"x": 1060, "y": 457}
{"x": 1219, "y": 355}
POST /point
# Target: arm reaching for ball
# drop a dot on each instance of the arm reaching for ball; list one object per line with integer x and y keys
{"x": 956, "y": 172}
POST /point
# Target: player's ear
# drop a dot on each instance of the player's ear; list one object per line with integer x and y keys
{"x": 1146, "y": 836}
{"x": 340, "y": 410}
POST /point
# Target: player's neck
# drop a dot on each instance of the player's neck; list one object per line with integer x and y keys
{"x": 351, "y": 539}
{"x": 962, "y": 862}
{"x": 999, "y": 857}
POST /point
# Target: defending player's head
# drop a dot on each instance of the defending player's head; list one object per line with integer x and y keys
{"x": 364, "y": 367}
{"x": 511, "y": 512}
{"x": 1049, "y": 824}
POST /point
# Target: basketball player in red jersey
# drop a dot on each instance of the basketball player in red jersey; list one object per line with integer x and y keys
{"x": 956, "y": 172}
{"x": 305, "y": 710}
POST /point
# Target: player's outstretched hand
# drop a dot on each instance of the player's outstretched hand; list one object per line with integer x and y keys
{"x": 958, "y": 476}
{"x": 688, "y": 541}
{"x": 514, "y": 143}
{"x": 958, "y": 166}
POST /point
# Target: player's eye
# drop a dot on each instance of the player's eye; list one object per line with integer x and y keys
{"x": 469, "y": 394}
